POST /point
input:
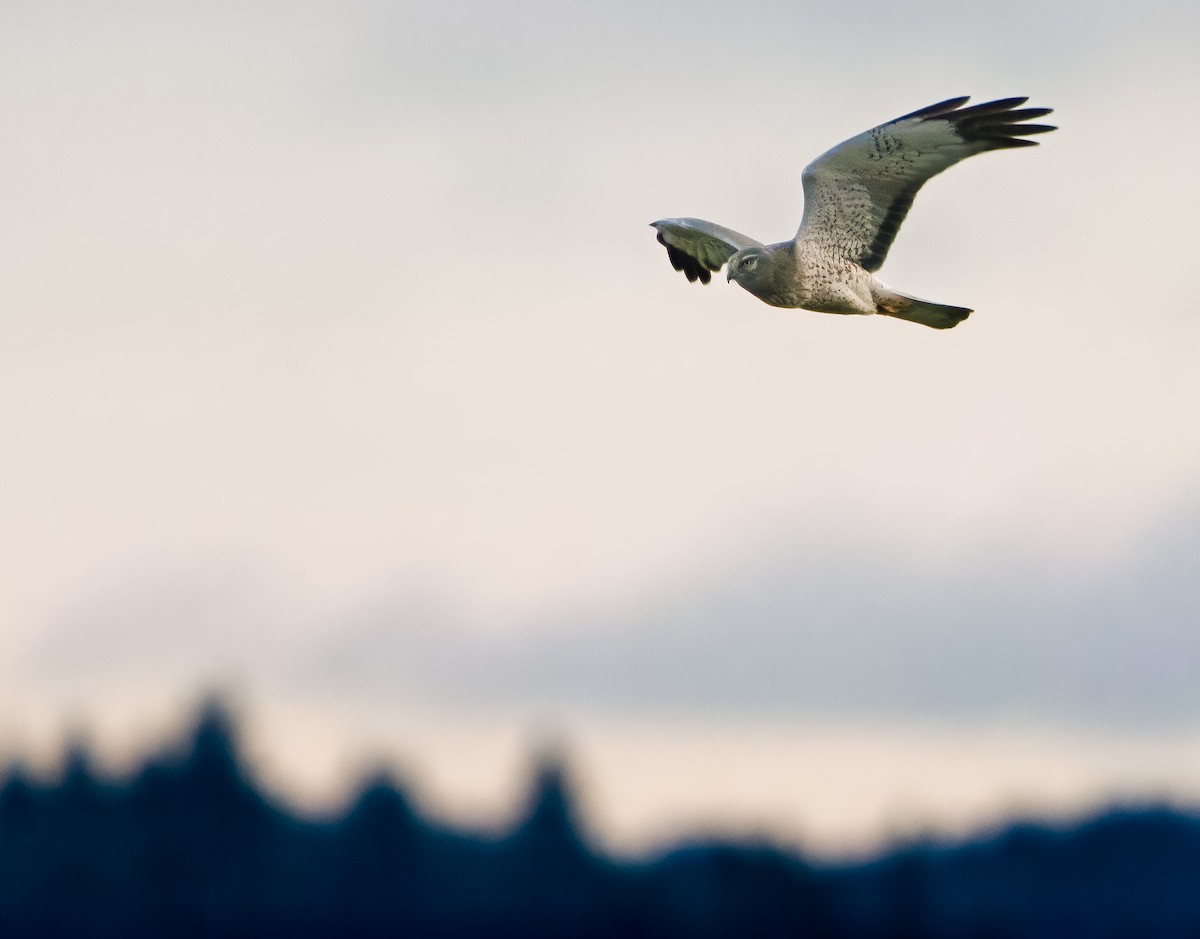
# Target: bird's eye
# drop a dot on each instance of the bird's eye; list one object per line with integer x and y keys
{"x": 747, "y": 262}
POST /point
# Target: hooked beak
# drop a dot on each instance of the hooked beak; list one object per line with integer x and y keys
{"x": 728, "y": 273}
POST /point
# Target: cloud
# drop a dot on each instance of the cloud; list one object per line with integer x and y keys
{"x": 830, "y": 629}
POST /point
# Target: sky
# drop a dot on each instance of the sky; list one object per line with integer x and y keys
{"x": 341, "y": 373}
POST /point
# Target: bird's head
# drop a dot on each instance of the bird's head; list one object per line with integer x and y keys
{"x": 743, "y": 264}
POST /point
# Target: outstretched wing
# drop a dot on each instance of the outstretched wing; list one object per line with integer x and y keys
{"x": 857, "y": 194}
{"x": 697, "y": 247}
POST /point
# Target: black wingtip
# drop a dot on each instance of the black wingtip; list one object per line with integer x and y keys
{"x": 692, "y": 269}
{"x": 997, "y": 124}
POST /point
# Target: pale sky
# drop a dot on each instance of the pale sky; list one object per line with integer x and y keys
{"x": 340, "y": 365}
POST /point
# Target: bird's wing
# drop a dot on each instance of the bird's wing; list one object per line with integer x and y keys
{"x": 697, "y": 247}
{"x": 857, "y": 194}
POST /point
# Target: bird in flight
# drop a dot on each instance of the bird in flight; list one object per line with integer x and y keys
{"x": 855, "y": 198}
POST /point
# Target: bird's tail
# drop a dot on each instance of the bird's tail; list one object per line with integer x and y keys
{"x": 937, "y": 315}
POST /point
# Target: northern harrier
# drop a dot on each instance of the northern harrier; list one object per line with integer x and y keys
{"x": 855, "y": 198}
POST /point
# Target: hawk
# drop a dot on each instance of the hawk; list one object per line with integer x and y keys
{"x": 855, "y": 198}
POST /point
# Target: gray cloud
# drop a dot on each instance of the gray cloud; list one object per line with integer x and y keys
{"x": 831, "y": 629}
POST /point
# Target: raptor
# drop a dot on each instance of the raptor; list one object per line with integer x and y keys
{"x": 855, "y": 198}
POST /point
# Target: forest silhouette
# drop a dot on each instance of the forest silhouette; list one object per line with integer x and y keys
{"x": 188, "y": 845}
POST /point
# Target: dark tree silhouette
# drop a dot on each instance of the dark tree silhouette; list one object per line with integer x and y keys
{"x": 189, "y": 846}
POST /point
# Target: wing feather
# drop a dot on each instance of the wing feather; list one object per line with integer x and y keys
{"x": 857, "y": 195}
{"x": 697, "y": 247}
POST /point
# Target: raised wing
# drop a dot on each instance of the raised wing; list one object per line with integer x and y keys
{"x": 857, "y": 194}
{"x": 697, "y": 247}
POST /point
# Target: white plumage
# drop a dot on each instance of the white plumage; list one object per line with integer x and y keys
{"x": 855, "y": 198}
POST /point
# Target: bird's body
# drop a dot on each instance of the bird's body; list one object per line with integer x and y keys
{"x": 792, "y": 274}
{"x": 856, "y": 197}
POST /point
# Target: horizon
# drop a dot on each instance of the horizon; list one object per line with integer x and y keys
{"x": 213, "y": 721}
